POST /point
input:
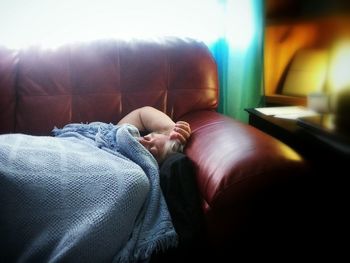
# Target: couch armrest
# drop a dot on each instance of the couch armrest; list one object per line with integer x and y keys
{"x": 234, "y": 162}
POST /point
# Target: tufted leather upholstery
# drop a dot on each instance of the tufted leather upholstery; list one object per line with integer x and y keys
{"x": 105, "y": 80}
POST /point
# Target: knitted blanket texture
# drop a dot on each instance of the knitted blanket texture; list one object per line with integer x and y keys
{"x": 89, "y": 194}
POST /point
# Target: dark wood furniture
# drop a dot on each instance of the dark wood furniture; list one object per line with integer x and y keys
{"x": 313, "y": 137}
{"x": 324, "y": 195}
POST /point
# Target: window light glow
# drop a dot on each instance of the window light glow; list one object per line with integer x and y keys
{"x": 53, "y": 22}
{"x": 240, "y": 24}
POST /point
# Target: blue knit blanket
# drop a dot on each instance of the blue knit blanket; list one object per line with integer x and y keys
{"x": 90, "y": 194}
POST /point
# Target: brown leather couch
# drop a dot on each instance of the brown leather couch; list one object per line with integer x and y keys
{"x": 236, "y": 165}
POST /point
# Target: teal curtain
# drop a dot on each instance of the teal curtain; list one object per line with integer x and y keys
{"x": 239, "y": 56}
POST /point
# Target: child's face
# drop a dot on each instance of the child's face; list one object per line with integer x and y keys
{"x": 159, "y": 145}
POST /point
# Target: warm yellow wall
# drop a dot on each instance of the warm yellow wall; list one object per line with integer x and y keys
{"x": 281, "y": 43}
{"x": 284, "y": 37}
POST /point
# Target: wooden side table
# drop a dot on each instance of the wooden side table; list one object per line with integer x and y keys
{"x": 325, "y": 193}
{"x": 324, "y": 148}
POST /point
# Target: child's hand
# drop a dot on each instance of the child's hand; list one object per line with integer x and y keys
{"x": 181, "y": 132}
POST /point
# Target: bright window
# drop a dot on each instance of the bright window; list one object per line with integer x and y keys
{"x": 53, "y": 22}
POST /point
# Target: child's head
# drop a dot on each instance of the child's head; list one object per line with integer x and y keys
{"x": 160, "y": 145}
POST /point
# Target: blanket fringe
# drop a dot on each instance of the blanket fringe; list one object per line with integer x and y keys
{"x": 144, "y": 253}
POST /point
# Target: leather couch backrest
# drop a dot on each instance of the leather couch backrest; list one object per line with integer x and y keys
{"x": 8, "y": 64}
{"x": 103, "y": 81}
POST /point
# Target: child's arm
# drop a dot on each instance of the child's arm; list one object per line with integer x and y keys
{"x": 152, "y": 120}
